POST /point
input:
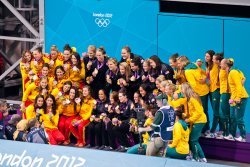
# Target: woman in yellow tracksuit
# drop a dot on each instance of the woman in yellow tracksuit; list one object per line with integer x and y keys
{"x": 197, "y": 119}
{"x": 238, "y": 100}
{"x": 25, "y": 67}
{"x": 79, "y": 124}
{"x": 38, "y": 60}
{"x": 179, "y": 75}
{"x": 224, "y": 99}
{"x": 62, "y": 94}
{"x": 77, "y": 71}
{"x": 175, "y": 97}
{"x": 67, "y": 52}
{"x": 34, "y": 89}
{"x": 212, "y": 71}
{"x": 179, "y": 148}
{"x": 59, "y": 78}
{"x": 68, "y": 111}
{"x": 56, "y": 59}
{"x": 36, "y": 110}
{"x": 50, "y": 119}
{"x": 196, "y": 77}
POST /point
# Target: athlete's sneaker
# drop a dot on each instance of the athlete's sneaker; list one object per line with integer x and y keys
{"x": 207, "y": 132}
{"x": 229, "y": 137}
{"x": 88, "y": 146}
{"x": 189, "y": 158}
{"x": 219, "y": 135}
{"x": 203, "y": 160}
{"x": 108, "y": 148}
{"x": 210, "y": 135}
{"x": 240, "y": 139}
{"x": 194, "y": 160}
{"x": 102, "y": 147}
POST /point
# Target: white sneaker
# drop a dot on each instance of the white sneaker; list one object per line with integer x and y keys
{"x": 207, "y": 132}
{"x": 240, "y": 139}
{"x": 210, "y": 135}
{"x": 229, "y": 137}
{"x": 203, "y": 160}
{"x": 189, "y": 158}
{"x": 219, "y": 136}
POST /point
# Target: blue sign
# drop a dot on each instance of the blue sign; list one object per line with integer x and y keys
{"x": 13, "y": 153}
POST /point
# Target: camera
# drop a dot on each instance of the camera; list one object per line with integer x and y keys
{"x": 11, "y": 110}
{"x": 140, "y": 116}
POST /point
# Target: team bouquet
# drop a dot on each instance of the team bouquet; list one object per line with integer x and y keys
{"x": 232, "y": 102}
{"x": 74, "y": 123}
{"x": 92, "y": 118}
{"x": 115, "y": 121}
{"x": 133, "y": 124}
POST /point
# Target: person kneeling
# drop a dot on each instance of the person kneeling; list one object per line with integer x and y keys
{"x": 179, "y": 148}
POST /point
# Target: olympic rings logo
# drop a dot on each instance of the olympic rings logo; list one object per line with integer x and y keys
{"x": 102, "y": 22}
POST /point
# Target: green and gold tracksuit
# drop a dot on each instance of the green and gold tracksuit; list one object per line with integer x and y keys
{"x": 236, "y": 81}
{"x": 224, "y": 101}
{"x": 193, "y": 74}
{"x": 214, "y": 89}
{"x": 179, "y": 148}
{"x": 197, "y": 119}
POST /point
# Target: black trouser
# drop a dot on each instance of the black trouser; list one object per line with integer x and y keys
{"x": 111, "y": 135}
{"x": 136, "y": 138}
{"x": 94, "y": 134}
{"x": 121, "y": 132}
{"x": 105, "y": 138}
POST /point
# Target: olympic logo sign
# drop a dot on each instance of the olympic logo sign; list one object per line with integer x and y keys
{"x": 102, "y": 22}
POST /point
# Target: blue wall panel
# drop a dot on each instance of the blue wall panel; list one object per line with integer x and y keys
{"x": 130, "y": 23}
{"x": 237, "y": 46}
{"x": 190, "y": 36}
{"x": 137, "y": 23}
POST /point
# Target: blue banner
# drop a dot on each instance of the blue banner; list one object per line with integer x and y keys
{"x": 112, "y": 24}
{"x": 23, "y": 154}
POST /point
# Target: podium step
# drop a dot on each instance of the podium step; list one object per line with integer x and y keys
{"x": 226, "y": 150}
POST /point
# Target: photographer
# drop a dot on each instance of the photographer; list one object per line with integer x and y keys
{"x": 3, "y": 114}
{"x": 161, "y": 127}
{"x": 150, "y": 113}
{"x": 11, "y": 126}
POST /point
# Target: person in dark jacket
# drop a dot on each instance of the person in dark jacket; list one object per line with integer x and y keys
{"x": 128, "y": 56}
{"x": 121, "y": 123}
{"x": 112, "y": 76}
{"x": 94, "y": 129}
{"x": 88, "y": 59}
{"x": 160, "y": 68}
{"x": 135, "y": 79}
{"x": 11, "y": 126}
{"x": 99, "y": 69}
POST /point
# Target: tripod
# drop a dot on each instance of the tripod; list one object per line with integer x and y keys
{"x": 141, "y": 119}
